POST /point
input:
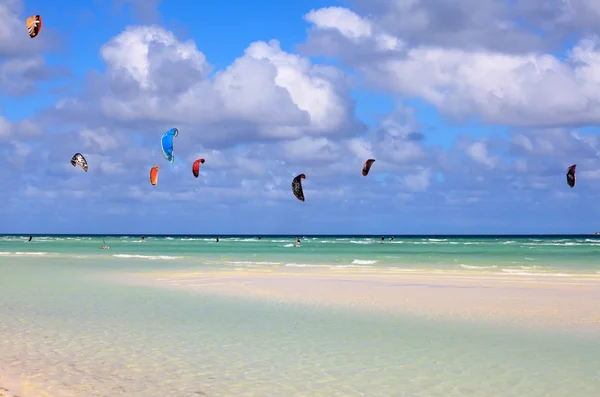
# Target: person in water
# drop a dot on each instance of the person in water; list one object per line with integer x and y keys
{"x": 105, "y": 247}
{"x": 382, "y": 239}
{"x": 297, "y": 241}
{"x": 259, "y": 237}
{"x": 392, "y": 238}
{"x": 30, "y": 238}
{"x": 217, "y": 239}
{"x": 143, "y": 239}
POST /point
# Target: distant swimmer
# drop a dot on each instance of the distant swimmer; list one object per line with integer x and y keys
{"x": 105, "y": 247}
{"x": 297, "y": 241}
{"x": 217, "y": 239}
{"x": 392, "y": 238}
{"x": 259, "y": 237}
{"x": 382, "y": 239}
{"x": 30, "y": 238}
{"x": 143, "y": 239}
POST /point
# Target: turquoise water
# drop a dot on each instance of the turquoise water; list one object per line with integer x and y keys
{"x": 75, "y": 334}
{"x": 552, "y": 255}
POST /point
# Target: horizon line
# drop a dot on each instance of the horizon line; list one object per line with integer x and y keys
{"x": 295, "y": 235}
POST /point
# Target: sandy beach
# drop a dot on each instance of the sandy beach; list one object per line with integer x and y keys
{"x": 560, "y": 302}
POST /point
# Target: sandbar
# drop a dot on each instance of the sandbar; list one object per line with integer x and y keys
{"x": 566, "y": 302}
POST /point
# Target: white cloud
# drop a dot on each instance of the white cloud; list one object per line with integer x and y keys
{"x": 271, "y": 115}
{"x": 352, "y": 26}
{"x": 361, "y": 148}
{"x": 5, "y": 128}
{"x": 310, "y": 150}
{"x": 347, "y": 22}
{"x": 130, "y": 52}
{"x": 419, "y": 181}
{"x": 267, "y": 93}
{"x": 478, "y": 151}
{"x": 529, "y": 89}
{"x": 101, "y": 140}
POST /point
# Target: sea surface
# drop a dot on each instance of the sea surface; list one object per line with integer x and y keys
{"x": 73, "y": 333}
{"x": 519, "y": 255}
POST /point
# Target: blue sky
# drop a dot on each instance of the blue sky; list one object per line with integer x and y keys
{"x": 472, "y": 123}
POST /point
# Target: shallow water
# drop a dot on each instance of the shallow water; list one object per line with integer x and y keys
{"x": 76, "y": 334}
{"x": 559, "y": 256}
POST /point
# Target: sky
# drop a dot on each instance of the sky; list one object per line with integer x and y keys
{"x": 472, "y": 109}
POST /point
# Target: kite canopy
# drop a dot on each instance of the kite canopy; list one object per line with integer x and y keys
{"x": 571, "y": 175}
{"x": 367, "y": 166}
{"x": 34, "y": 25}
{"x": 196, "y": 167}
{"x": 79, "y": 160}
{"x": 297, "y": 187}
{"x": 167, "y": 144}
{"x": 154, "y": 175}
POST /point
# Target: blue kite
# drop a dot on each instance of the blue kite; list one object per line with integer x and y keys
{"x": 167, "y": 144}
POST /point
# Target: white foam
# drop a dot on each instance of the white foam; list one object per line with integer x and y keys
{"x": 349, "y": 266}
{"x": 253, "y": 263}
{"x": 151, "y": 257}
{"x": 515, "y": 272}
{"x": 477, "y": 267}
{"x": 304, "y": 265}
{"x": 23, "y": 253}
{"x": 363, "y": 262}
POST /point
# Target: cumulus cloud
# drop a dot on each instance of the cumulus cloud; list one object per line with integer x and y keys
{"x": 271, "y": 115}
{"x": 495, "y": 25}
{"x": 529, "y": 88}
{"x": 153, "y": 81}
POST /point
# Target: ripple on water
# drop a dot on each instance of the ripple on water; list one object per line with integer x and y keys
{"x": 87, "y": 339}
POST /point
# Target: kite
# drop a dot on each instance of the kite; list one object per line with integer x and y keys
{"x": 34, "y": 25}
{"x": 167, "y": 144}
{"x": 571, "y": 175}
{"x": 154, "y": 175}
{"x": 196, "y": 167}
{"x": 297, "y": 187}
{"x": 79, "y": 160}
{"x": 367, "y": 166}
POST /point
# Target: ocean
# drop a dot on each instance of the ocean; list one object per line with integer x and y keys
{"x": 66, "y": 330}
{"x": 549, "y": 255}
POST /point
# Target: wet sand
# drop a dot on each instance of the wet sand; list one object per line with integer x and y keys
{"x": 561, "y": 302}
{"x": 11, "y": 385}
{"x": 15, "y": 384}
